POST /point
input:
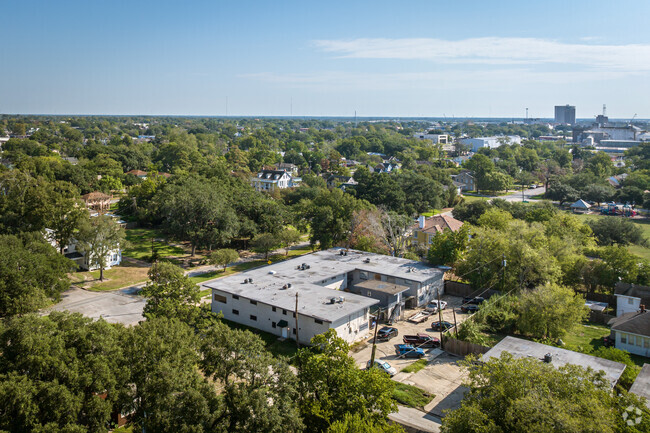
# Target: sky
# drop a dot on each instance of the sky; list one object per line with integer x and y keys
{"x": 379, "y": 58}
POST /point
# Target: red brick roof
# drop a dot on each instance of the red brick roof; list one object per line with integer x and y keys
{"x": 439, "y": 223}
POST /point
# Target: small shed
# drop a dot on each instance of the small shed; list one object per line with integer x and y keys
{"x": 580, "y": 206}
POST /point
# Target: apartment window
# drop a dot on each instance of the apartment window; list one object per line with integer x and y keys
{"x": 624, "y": 338}
{"x": 284, "y": 312}
{"x": 235, "y": 297}
{"x": 254, "y": 302}
{"x": 273, "y": 325}
{"x": 253, "y": 317}
{"x": 273, "y": 309}
{"x": 369, "y": 293}
{"x": 220, "y": 298}
{"x": 638, "y": 341}
{"x": 235, "y": 312}
{"x": 630, "y": 301}
{"x": 294, "y": 331}
{"x": 320, "y": 322}
{"x": 363, "y": 275}
{"x": 294, "y": 314}
{"x": 646, "y": 343}
{"x": 333, "y": 278}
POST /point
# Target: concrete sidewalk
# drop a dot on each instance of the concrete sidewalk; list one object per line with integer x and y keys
{"x": 414, "y": 420}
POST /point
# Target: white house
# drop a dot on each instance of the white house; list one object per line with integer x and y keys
{"x": 319, "y": 285}
{"x": 114, "y": 257}
{"x": 631, "y": 332}
{"x": 490, "y": 142}
{"x": 435, "y": 138}
{"x": 630, "y": 297}
{"x": 269, "y": 180}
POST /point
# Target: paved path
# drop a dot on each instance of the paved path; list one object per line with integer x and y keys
{"x": 416, "y": 419}
{"x": 125, "y": 305}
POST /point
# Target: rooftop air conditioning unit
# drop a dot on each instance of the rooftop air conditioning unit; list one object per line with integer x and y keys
{"x": 548, "y": 358}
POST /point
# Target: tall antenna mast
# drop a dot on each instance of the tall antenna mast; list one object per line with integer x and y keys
{"x": 526, "y": 113}
{"x": 604, "y": 110}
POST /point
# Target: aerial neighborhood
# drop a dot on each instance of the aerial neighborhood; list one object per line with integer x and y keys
{"x": 290, "y": 258}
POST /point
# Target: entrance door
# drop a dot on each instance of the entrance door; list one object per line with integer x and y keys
{"x": 284, "y": 332}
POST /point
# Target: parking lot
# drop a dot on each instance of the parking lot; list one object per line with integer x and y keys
{"x": 442, "y": 375}
{"x": 386, "y": 349}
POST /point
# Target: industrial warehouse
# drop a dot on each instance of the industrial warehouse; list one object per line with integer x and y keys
{"x": 335, "y": 288}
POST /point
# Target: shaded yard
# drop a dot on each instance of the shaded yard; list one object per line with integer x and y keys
{"x": 411, "y": 396}
{"x": 115, "y": 278}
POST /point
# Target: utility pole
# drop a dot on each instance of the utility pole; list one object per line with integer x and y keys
{"x": 455, "y": 327}
{"x": 296, "y": 313}
{"x": 374, "y": 340}
{"x": 439, "y": 315}
{"x": 503, "y": 273}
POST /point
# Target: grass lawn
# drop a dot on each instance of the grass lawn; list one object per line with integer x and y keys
{"x": 587, "y": 336}
{"x": 473, "y": 198}
{"x": 140, "y": 244}
{"x": 431, "y": 213}
{"x": 115, "y": 278}
{"x": 411, "y": 396}
{"x": 273, "y": 344}
{"x": 415, "y": 367}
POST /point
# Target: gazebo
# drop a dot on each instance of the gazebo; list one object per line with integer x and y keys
{"x": 580, "y": 206}
{"x": 97, "y": 200}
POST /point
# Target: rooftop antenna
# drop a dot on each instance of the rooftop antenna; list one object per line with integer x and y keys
{"x": 604, "y": 110}
{"x": 526, "y": 113}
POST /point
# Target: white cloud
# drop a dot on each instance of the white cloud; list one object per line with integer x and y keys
{"x": 495, "y": 51}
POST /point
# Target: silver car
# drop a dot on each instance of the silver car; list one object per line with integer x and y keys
{"x": 385, "y": 367}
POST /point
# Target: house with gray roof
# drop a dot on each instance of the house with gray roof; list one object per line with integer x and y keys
{"x": 631, "y": 332}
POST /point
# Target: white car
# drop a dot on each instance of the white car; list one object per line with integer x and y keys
{"x": 385, "y": 367}
{"x": 433, "y": 306}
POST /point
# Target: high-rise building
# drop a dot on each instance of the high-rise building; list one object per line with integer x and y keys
{"x": 565, "y": 114}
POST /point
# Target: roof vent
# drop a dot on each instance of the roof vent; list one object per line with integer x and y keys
{"x": 548, "y": 358}
{"x": 284, "y": 287}
{"x": 367, "y": 260}
{"x": 288, "y": 285}
{"x": 272, "y": 272}
{"x": 250, "y": 280}
{"x": 245, "y": 280}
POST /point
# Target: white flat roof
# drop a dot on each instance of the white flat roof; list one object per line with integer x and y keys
{"x": 313, "y": 297}
{"x": 520, "y": 348}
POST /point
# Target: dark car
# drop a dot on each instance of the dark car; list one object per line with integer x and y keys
{"x": 478, "y": 300}
{"x": 441, "y": 326}
{"x": 469, "y": 308}
{"x": 421, "y": 340}
{"x": 386, "y": 333}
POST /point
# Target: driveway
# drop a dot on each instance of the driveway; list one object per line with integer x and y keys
{"x": 118, "y": 306}
{"x": 528, "y": 194}
{"x": 386, "y": 349}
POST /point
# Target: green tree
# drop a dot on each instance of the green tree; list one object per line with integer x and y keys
{"x": 265, "y": 243}
{"x": 198, "y": 211}
{"x": 447, "y": 248}
{"x": 562, "y": 193}
{"x": 31, "y": 273}
{"x": 598, "y": 193}
{"x": 495, "y": 218}
{"x": 99, "y": 237}
{"x": 355, "y": 423}
{"x": 600, "y": 165}
{"x": 223, "y": 257}
{"x": 550, "y": 311}
{"x": 331, "y": 385}
{"x": 613, "y": 230}
{"x": 497, "y": 181}
{"x": 259, "y": 392}
{"x": 481, "y": 166}
{"x": 170, "y": 293}
{"x": 65, "y": 219}
{"x": 61, "y": 372}
{"x": 525, "y": 395}
{"x": 167, "y": 391}
{"x": 288, "y": 238}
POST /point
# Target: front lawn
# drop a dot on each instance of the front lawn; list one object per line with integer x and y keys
{"x": 140, "y": 244}
{"x": 411, "y": 396}
{"x": 114, "y": 278}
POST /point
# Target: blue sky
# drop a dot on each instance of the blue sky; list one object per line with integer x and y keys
{"x": 380, "y": 58}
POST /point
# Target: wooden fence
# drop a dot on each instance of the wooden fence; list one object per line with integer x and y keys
{"x": 462, "y": 348}
{"x": 454, "y": 288}
{"x": 599, "y": 318}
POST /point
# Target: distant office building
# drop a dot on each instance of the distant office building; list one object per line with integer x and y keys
{"x": 490, "y": 142}
{"x": 565, "y": 114}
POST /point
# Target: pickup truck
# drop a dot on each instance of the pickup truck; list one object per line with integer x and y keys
{"x": 408, "y": 351}
{"x": 421, "y": 340}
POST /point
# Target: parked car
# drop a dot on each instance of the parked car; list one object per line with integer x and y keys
{"x": 433, "y": 306}
{"x": 386, "y": 333}
{"x": 408, "y": 351}
{"x": 421, "y": 340}
{"x": 441, "y": 326}
{"x": 383, "y": 366}
{"x": 476, "y": 300}
{"x": 469, "y": 308}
